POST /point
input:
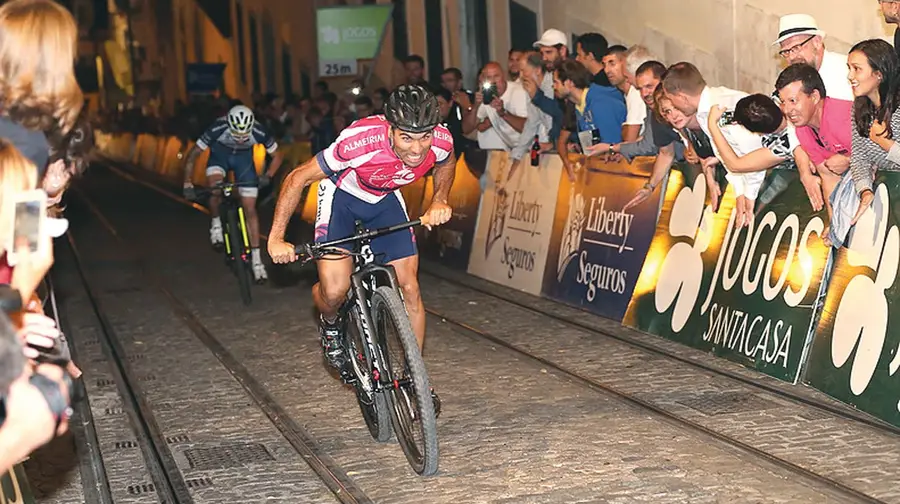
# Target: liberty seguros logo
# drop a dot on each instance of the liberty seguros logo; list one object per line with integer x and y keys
{"x": 514, "y": 218}
{"x": 592, "y": 222}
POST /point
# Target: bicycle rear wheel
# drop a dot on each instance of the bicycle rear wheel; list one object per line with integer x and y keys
{"x": 373, "y": 405}
{"x": 241, "y": 263}
{"x": 411, "y": 406}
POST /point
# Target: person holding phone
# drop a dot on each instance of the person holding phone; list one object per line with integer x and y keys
{"x": 499, "y": 111}
{"x": 18, "y": 176}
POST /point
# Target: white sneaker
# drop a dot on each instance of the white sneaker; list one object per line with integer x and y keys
{"x": 259, "y": 270}
{"x": 215, "y": 234}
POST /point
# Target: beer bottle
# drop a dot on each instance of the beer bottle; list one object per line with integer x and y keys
{"x": 536, "y": 152}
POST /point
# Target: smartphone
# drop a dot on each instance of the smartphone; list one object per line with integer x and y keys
{"x": 727, "y": 118}
{"x": 489, "y": 91}
{"x": 29, "y": 220}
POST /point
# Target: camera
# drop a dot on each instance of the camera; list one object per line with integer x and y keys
{"x": 489, "y": 91}
{"x": 12, "y": 363}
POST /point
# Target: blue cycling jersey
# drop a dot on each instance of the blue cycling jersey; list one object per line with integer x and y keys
{"x": 218, "y": 138}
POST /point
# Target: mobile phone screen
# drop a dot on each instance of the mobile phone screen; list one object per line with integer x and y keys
{"x": 28, "y": 221}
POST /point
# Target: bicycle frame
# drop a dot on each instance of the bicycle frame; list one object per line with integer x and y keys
{"x": 363, "y": 282}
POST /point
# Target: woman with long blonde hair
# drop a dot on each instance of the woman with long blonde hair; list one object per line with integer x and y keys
{"x": 39, "y": 96}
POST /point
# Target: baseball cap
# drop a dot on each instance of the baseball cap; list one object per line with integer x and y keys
{"x": 797, "y": 24}
{"x": 552, "y": 37}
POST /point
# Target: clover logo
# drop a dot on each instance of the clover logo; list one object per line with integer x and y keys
{"x": 860, "y": 323}
{"x": 682, "y": 269}
{"x": 331, "y": 35}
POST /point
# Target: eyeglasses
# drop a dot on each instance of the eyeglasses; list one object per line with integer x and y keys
{"x": 794, "y": 50}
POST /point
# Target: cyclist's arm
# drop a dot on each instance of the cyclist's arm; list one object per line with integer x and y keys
{"x": 192, "y": 156}
{"x": 277, "y": 159}
{"x": 443, "y": 174}
{"x": 203, "y": 143}
{"x": 291, "y": 191}
{"x": 271, "y": 146}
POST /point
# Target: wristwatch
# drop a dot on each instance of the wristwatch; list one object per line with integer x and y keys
{"x": 10, "y": 299}
{"x": 648, "y": 186}
{"x": 611, "y": 151}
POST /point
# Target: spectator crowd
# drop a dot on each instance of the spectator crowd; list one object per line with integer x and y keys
{"x": 45, "y": 141}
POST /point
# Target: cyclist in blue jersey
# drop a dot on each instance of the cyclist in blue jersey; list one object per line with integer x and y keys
{"x": 230, "y": 141}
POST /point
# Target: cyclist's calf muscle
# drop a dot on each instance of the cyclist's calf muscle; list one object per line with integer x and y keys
{"x": 334, "y": 283}
{"x": 215, "y": 198}
{"x": 407, "y": 270}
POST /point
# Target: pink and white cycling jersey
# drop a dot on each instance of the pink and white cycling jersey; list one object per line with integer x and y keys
{"x": 361, "y": 161}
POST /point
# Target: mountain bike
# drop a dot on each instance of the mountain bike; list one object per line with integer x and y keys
{"x": 236, "y": 234}
{"x": 380, "y": 350}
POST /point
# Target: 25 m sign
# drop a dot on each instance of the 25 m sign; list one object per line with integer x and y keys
{"x": 338, "y": 68}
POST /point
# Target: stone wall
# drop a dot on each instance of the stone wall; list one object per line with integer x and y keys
{"x": 729, "y": 40}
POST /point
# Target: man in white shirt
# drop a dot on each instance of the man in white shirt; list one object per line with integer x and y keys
{"x": 690, "y": 94}
{"x": 538, "y": 122}
{"x": 614, "y": 66}
{"x": 500, "y": 122}
{"x": 801, "y": 41}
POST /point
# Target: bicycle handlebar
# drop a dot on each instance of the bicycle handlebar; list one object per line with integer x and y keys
{"x": 317, "y": 250}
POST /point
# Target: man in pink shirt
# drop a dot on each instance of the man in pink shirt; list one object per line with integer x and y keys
{"x": 823, "y": 128}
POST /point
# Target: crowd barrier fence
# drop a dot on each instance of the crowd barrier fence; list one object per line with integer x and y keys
{"x": 770, "y": 295}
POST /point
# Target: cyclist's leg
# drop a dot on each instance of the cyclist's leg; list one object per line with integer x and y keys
{"x": 399, "y": 250}
{"x": 333, "y": 220}
{"x": 407, "y": 269}
{"x": 215, "y": 172}
{"x": 245, "y": 173}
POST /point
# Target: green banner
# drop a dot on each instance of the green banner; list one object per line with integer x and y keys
{"x": 745, "y": 294}
{"x": 855, "y": 355}
{"x": 14, "y": 487}
{"x": 351, "y": 33}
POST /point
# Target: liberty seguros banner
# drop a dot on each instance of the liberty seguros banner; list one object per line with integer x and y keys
{"x": 598, "y": 249}
{"x": 746, "y": 294}
{"x": 515, "y": 221}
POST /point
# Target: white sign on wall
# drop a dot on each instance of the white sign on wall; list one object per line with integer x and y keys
{"x": 515, "y": 222}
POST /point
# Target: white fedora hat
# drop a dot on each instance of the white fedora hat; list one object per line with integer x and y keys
{"x": 797, "y": 24}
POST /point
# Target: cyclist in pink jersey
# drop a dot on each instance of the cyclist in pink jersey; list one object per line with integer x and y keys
{"x": 360, "y": 176}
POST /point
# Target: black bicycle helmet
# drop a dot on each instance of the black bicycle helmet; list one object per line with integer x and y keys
{"x": 413, "y": 109}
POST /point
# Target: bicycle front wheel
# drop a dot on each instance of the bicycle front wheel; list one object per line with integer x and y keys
{"x": 240, "y": 262}
{"x": 410, "y": 395}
